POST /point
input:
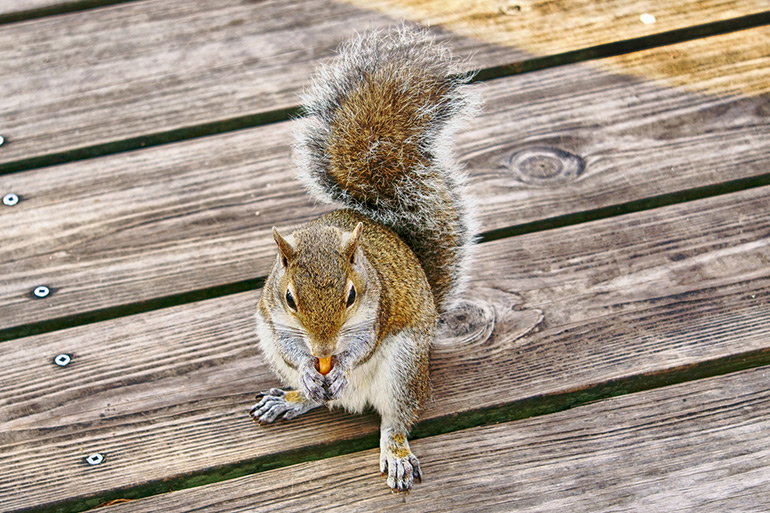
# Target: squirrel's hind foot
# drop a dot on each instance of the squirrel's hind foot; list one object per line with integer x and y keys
{"x": 275, "y": 403}
{"x": 399, "y": 464}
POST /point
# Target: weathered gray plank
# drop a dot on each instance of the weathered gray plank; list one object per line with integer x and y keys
{"x": 167, "y": 392}
{"x": 154, "y": 66}
{"x": 181, "y": 217}
{"x": 14, "y": 6}
{"x": 701, "y": 446}
{"x": 106, "y": 75}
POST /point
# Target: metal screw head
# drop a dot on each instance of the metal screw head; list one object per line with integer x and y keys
{"x": 41, "y": 291}
{"x": 94, "y": 459}
{"x": 62, "y": 360}
{"x": 2, "y": 140}
{"x": 10, "y": 199}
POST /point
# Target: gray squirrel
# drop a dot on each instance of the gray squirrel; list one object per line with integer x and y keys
{"x": 349, "y": 310}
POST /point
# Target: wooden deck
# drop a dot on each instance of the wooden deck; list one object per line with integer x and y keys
{"x": 613, "y": 353}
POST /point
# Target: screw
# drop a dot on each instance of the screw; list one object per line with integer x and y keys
{"x": 62, "y": 360}
{"x": 2, "y": 140}
{"x": 41, "y": 291}
{"x": 95, "y": 459}
{"x": 10, "y": 199}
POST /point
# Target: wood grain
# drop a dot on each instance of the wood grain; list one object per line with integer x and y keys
{"x": 167, "y": 392}
{"x": 684, "y": 65}
{"x": 8, "y": 6}
{"x": 153, "y": 66}
{"x": 148, "y": 67}
{"x": 15, "y": 6}
{"x": 18, "y": 10}
{"x": 700, "y": 446}
{"x": 547, "y": 27}
{"x": 177, "y": 218}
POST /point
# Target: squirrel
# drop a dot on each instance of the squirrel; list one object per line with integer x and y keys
{"x": 348, "y": 312}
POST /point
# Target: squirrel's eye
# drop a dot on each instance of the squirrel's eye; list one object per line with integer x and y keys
{"x": 290, "y": 300}
{"x": 351, "y": 296}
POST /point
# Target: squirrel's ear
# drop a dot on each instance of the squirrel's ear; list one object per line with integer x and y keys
{"x": 351, "y": 245}
{"x": 287, "y": 252}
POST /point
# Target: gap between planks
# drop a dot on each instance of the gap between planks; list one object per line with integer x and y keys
{"x": 628, "y": 303}
{"x": 700, "y": 446}
{"x": 285, "y": 112}
{"x": 100, "y": 315}
{"x": 146, "y": 212}
{"x": 10, "y": 11}
{"x": 455, "y": 424}
{"x": 757, "y": 360}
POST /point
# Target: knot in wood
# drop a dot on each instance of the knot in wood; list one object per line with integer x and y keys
{"x": 544, "y": 165}
{"x": 467, "y": 323}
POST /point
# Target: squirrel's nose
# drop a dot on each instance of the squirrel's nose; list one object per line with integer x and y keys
{"x": 323, "y": 348}
{"x": 325, "y": 351}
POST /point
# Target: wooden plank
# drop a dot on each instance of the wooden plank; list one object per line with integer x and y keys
{"x": 15, "y": 6}
{"x": 682, "y": 65}
{"x": 546, "y": 28}
{"x": 700, "y": 446}
{"x": 155, "y": 66}
{"x": 16, "y": 10}
{"x": 178, "y": 218}
{"x": 167, "y": 392}
{"x": 569, "y": 140}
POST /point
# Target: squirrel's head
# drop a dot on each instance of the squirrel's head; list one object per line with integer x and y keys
{"x": 322, "y": 285}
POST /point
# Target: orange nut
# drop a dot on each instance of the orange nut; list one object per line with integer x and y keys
{"x": 324, "y": 365}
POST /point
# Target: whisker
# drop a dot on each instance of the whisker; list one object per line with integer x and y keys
{"x": 289, "y": 330}
{"x": 357, "y": 328}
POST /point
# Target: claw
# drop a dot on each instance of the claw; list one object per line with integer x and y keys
{"x": 277, "y": 403}
{"x": 312, "y": 384}
{"x": 397, "y": 463}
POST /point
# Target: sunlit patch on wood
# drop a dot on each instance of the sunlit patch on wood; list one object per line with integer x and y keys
{"x": 548, "y": 27}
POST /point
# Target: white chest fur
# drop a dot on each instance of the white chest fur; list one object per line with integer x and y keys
{"x": 371, "y": 383}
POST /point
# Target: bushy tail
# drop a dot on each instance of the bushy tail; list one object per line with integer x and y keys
{"x": 378, "y": 139}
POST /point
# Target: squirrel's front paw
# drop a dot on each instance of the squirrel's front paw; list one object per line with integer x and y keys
{"x": 335, "y": 382}
{"x": 399, "y": 464}
{"x": 276, "y": 402}
{"x": 313, "y": 384}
